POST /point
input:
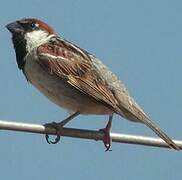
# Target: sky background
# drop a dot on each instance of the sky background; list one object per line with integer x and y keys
{"x": 141, "y": 41}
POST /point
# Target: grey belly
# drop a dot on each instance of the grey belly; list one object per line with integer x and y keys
{"x": 61, "y": 93}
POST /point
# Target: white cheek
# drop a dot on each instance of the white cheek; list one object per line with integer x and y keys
{"x": 36, "y": 38}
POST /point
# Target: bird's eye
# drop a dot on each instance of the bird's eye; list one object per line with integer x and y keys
{"x": 33, "y": 25}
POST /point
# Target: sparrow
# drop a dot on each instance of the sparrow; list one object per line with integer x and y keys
{"x": 73, "y": 78}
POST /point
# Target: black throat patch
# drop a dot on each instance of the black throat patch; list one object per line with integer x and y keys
{"x": 20, "y": 48}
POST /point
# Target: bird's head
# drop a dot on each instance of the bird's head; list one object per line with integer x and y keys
{"x": 27, "y": 34}
{"x": 33, "y": 31}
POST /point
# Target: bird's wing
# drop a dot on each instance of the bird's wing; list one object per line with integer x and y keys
{"x": 65, "y": 60}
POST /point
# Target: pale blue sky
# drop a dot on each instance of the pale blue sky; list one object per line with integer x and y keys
{"x": 141, "y": 41}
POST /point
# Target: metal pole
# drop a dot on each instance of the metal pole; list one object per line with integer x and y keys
{"x": 86, "y": 134}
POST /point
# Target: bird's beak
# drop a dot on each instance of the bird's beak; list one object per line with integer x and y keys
{"x": 14, "y": 28}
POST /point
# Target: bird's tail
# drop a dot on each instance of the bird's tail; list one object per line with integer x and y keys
{"x": 140, "y": 116}
{"x": 161, "y": 134}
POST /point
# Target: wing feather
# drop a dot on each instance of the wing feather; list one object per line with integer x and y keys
{"x": 66, "y": 61}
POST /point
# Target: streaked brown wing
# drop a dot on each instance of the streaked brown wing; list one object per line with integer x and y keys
{"x": 67, "y": 61}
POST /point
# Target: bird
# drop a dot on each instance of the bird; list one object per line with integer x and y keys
{"x": 73, "y": 78}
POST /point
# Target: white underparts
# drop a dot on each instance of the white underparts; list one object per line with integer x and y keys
{"x": 36, "y": 38}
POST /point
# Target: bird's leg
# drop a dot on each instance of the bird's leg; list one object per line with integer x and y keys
{"x": 58, "y": 127}
{"x": 107, "y": 139}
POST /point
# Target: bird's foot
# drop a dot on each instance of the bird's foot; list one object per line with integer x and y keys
{"x": 58, "y": 127}
{"x": 107, "y": 139}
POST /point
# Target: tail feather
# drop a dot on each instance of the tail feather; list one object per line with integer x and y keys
{"x": 161, "y": 134}
{"x": 139, "y": 116}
